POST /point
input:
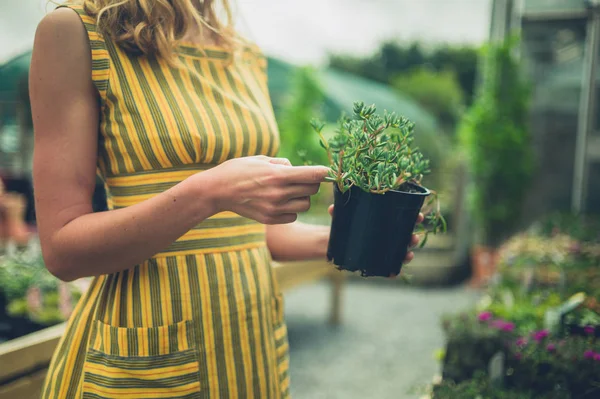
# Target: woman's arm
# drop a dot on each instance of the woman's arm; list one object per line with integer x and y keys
{"x": 297, "y": 241}
{"x": 75, "y": 241}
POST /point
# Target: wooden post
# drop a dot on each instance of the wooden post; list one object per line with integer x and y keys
{"x": 337, "y": 281}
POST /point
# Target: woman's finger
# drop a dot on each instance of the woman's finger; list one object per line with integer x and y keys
{"x": 409, "y": 257}
{"x": 300, "y": 190}
{"x": 330, "y": 210}
{"x": 297, "y": 205}
{"x": 420, "y": 218}
{"x": 414, "y": 241}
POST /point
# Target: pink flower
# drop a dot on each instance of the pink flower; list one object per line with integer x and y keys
{"x": 503, "y": 325}
{"x": 589, "y": 330}
{"x": 521, "y": 341}
{"x": 540, "y": 335}
{"x": 597, "y": 357}
{"x": 551, "y": 348}
{"x": 484, "y": 316}
{"x": 588, "y": 354}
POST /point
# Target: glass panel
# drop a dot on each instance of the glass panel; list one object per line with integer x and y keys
{"x": 539, "y": 6}
{"x": 553, "y": 52}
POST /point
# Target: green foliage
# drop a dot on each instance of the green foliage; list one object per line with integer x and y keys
{"x": 495, "y": 137}
{"x": 481, "y": 388}
{"x": 437, "y": 91}
{"x": 561, "y": 362}
{"x": 393, "y": 58}
{"x": 374, "y": 153}
{"x": 21, "y": 270}
{"x": 298, "y": 144}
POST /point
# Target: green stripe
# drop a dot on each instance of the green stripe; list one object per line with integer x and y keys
{"x": 109, "y": 135}
{"x": 219, "y": 136}
{"x": 250, "y": 310}
{"x": 236, "y": 341}
{"x": 132, "y": 342}
{"x": 112, "y": 283}
{"x": 183, "y": 129}
{"x": 265, "y": 326}
{"x": 196, "y": 52}
{"x": 198, "y": 120}
{"x": 156, "y": 305}
{"x": 215, "y": 243}
{"x": 143, "y": 383}
{"x": 193, "y": 395}
{"x": 214, "y": 128}
{"x": 123, "y": 311}
{"x": 181, "y": 359}
{"x": 257, "y": 82}
{"x": 160, "y": 171}
{"x": 269, "y": 134}
{"x": 175, "y": 289}
{"x": 196, "y": 303}
{"x": 237, "y": 114}
{"x": 220, "y": 339}
{"x": 155, "y": 111}
{"x": 137, "y": 311}
{"x": 257, "y": 128}
{"x": 87, "y": 395}
{"x": 131, "y": 107}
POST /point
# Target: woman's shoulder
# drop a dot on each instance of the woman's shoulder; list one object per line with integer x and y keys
{"x": 62, "y": 26}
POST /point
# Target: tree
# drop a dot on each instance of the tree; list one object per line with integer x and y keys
{"x": 298, "y": 142}
{"x": 438, "y": 92}
{"x": 395, "y": 58}
{"x": 496, "y": 139}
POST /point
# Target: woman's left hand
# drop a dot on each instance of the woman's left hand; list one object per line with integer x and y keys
{"x": 413, "y": 243}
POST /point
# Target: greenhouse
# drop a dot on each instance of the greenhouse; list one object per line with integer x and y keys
{"x": 560, "y": 41}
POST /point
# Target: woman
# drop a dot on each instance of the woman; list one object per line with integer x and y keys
{"x": 170, "y": 106}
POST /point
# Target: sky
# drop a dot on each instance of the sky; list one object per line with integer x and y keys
{"x": 305, "y": 31}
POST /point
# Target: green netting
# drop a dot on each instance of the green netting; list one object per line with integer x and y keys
{"x": 542, "y": 6}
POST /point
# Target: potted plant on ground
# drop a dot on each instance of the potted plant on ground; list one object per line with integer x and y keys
{"x": 377, "y": 191}
{"x": 495, "y": 138}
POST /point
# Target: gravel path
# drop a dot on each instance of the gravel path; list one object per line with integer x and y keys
{"x": 385, "y": 347}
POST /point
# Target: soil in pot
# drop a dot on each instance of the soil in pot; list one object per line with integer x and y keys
{"x": 370, "y": 232}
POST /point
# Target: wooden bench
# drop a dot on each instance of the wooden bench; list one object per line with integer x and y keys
{"x": 24, "y": 361}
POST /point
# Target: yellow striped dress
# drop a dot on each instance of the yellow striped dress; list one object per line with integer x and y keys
{"x": 204, "y": 317}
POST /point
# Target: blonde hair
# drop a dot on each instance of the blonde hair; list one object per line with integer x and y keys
{"x": 155, "y": 27}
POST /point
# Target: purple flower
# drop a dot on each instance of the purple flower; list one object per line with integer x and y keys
{"x": 508, "y": 327}
{"x": 597, "y": 357}
{"x": 551, "y": 347}
{"x": 484, "y": 316}
{"x": 588, "y": 354}
{"x": 503, "y": 325}
{"x": 521, "y": 341}
{"x": 540, "y": 335}
{"x": 589, "y": 330}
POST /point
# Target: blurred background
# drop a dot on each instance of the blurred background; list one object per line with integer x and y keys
{"x": 506, "y": 304}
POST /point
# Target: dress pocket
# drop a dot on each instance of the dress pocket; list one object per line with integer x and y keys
{"x": 136, "y": 363}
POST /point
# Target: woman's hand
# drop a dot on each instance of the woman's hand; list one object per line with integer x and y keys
{"x": 413, "y": 243}
{"x": 268, "y": 190}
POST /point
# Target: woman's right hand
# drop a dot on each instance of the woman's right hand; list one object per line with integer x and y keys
{"x": 268, "y": 190}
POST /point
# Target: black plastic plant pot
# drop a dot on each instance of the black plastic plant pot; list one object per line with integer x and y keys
{"x": 370, "y": 232}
